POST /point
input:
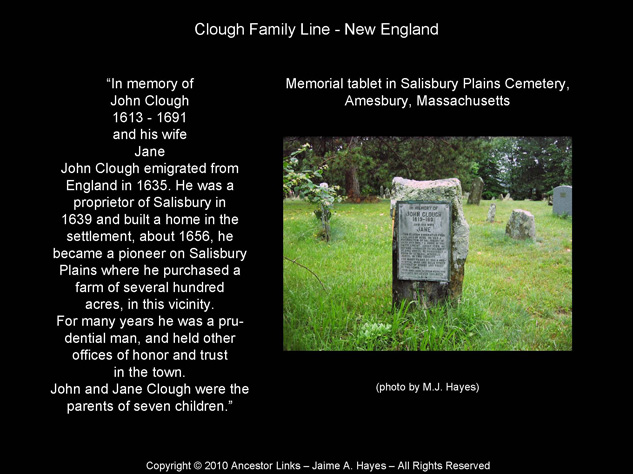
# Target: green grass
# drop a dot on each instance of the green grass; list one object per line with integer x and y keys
{"x": 517, "y": 295}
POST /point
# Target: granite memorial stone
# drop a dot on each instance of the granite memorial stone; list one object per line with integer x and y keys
{"x": 430, "y": 240}
{"x": 491, "y": 212}
{"x": 521, "y": 225}
{"x": 562, "y": 200}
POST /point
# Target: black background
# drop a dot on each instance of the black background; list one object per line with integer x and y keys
{"x": 302, "y": 407}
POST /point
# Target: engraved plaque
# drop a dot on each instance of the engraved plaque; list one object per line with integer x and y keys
{"x": 424, "y": 240}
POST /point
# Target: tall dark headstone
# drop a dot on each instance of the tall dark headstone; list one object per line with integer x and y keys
{"x": 475, "y": 191}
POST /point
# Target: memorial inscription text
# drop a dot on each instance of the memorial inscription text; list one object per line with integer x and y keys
{"x": 424, "y": 241}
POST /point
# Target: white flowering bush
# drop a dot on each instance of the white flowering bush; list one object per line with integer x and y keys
{"x": 301, "y": 184}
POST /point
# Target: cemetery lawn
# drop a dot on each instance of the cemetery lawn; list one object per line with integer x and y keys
{"x": 517, "y": 295}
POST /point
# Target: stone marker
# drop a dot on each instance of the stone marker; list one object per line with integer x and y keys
{"x": 491, "y": 212}
{"x": 521, "y": 225}
{"x": 562, "y": 200}
{"x": 500, "y": 196}
{"x": 382, "y": 192}
{"x": 476, "y": 190}
{"x": 430, "y": 241}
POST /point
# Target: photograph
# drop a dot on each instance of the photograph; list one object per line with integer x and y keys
{"x": 427, "y": 243}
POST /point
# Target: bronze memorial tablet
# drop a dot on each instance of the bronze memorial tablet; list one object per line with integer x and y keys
{"x": 424, "y": 240}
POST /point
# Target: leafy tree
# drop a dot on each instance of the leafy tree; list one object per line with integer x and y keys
{"x": 301, "y": 183}
{"x": 527, "y": 167}
{"x": 490, "y": 166}
{"x": 537, "y": 164}
{"x": 350, "y": 166}
{"x": 429, "y": 158}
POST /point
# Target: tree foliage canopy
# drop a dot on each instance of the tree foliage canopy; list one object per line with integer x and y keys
{"x": 526, "y": 167}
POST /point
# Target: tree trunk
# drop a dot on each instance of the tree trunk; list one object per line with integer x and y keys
{"x": 352, "y": 187}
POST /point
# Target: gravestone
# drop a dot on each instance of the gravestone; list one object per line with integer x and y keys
{"x": 562, "y": 200}
{"x": 382, "y": 192}
{"x": 491, "y": 212}
{"x": 476, "y": 190}
{"x": 521, "y": 225}
{"x": 430, "y": 241}
{"x": 500, "y": 196}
